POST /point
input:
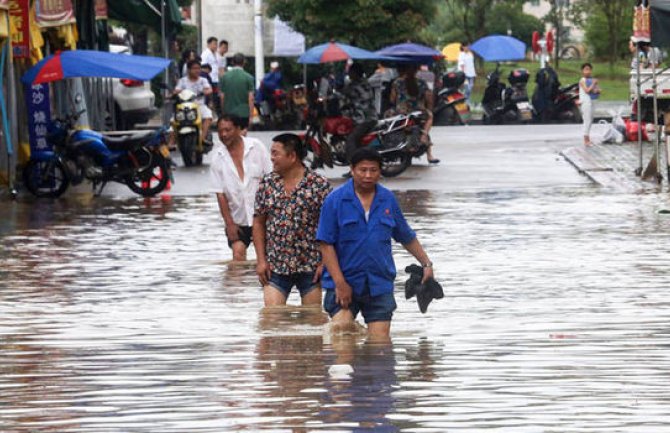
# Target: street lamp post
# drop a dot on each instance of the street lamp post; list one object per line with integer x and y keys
{"x": 258, "y": 40}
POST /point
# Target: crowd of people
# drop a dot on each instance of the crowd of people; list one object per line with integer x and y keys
{"x": 307, "y": 235}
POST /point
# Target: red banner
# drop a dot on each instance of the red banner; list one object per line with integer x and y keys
{"x": 54, "y": 13}
{"x": 19, "y": 14}
{"x": 101, "y": 11}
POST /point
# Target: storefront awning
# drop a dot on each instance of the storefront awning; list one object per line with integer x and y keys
{"x": 146, "y": 12}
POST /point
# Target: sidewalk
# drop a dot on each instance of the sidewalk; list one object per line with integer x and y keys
{"x": 615, "y": 165}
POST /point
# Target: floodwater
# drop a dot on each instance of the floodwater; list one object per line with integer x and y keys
{"x": 126, "y": 316}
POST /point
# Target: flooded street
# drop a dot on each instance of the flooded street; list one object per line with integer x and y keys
{"x": 125, "y": 315}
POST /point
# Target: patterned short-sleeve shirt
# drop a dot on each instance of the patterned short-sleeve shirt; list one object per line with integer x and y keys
{"x": 291, "y": 221}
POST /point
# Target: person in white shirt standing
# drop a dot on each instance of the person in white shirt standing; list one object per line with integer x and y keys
{"x": 237, "y": 168}
{"x": 212, "y": 57}
{"x": 223, "y": 62}
{"x": 466, "y": 64}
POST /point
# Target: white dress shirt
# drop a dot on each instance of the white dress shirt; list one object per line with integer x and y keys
{"x": 466, "y": 63}
{"x": 240, "y": 193}
{"x": 214, "y": 60}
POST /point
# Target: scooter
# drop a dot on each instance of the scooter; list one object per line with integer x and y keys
{"x": 187, "y": 125}
{"x": 551, "y": 102}
{"x": 451, "y": 107}
{"x": 140, "y": 160}
{"x": 517, "y": 94}
{"x": 506, "y": 104}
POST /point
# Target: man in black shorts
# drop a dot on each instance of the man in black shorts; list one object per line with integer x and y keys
{"x": 238, "y": 165}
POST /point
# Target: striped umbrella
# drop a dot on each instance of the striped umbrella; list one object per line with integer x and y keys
{"x": 336, "y": 52}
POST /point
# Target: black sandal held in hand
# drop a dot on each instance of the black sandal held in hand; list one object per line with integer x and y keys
{"x": 425, "y": 293}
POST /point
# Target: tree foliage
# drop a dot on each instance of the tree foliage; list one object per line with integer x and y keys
{"x": 607, "y": 25}
{"x": 461, "y": 20}
{"x": 365, "y": 23}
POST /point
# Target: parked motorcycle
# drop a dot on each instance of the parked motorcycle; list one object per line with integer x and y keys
{"x": 451, "y": 107}
{"x": 553, "y": 103}
{"x": 397, "y": 138}
{"x": 299, "y": 105}
{"x": 139, "y": 160}
{"x": 283, "y": 110}
{"x": 506, "y": 104}
{"x": 187, "y": 126}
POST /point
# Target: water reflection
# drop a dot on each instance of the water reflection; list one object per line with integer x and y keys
{"x": 127, "y": 316}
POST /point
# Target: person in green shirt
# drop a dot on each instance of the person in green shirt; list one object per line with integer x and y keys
{"x": 237, "y": 91}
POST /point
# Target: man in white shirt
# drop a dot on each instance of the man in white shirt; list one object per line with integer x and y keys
{"x": 212, "y": 57}
{"x": 466, "y": 63}
{"x": 223, "y": 62}
{"x": 237, "y": 168}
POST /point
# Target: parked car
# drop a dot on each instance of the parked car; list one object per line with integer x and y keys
{"x": 133, "y": 100}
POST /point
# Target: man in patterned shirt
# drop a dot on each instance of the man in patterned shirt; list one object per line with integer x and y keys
{"x": 286, "y": 215}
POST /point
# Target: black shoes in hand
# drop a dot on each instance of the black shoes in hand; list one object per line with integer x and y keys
{"x": 425, "y": 293}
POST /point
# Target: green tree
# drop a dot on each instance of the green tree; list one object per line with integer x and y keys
{"x": 366, "y": 23}
{"x": 510, "y": 17}
{"x": 607, "y": 26}
{"x": 454, "y": 21}
{"x": 475, "y": 17}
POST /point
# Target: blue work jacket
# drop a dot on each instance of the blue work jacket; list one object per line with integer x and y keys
{"x": 363, "y": 247}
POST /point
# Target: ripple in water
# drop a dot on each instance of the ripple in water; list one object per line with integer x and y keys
{"x": 127, "y": 316}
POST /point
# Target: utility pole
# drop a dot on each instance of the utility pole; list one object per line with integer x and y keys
{"x": 258, "y": 40}
{"x": 164, "y": 46}
{"x": 198, "y": 11}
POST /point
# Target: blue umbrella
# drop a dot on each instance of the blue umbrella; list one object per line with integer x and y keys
{"x": 335, "y": 52}
{"x": 497, "y": 48}
{"x": 411, "y": 52}
{"x": 88, "y": 63}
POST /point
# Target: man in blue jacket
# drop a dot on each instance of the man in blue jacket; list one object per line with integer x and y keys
{"x": 358, "y": 221}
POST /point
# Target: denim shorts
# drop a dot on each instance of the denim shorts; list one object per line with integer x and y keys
{"x": 302, "y": 281}
{"x": 373, "y": 308}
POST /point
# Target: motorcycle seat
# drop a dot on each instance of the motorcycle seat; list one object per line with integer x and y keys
{"x": 126, "y": 141}
{"x": 448, "y": 91}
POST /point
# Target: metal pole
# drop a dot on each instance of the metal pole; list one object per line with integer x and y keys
{"x": 165, "y": 55}
{"x": 639, "y": 110}
{"x": 657, "y": 138}
{"x": 198, "y": 6}
{"x": 258, "y": 40}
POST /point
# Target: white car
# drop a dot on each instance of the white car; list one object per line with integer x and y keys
{"x": 133, "y": 100}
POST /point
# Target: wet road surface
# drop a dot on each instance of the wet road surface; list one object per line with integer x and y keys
{"x": 125, "y": 315}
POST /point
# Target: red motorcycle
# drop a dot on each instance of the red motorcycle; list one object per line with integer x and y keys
{"x": 396, "y": 138}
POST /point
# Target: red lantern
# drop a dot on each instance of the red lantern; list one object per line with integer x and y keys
{"x": 550, "y": 41}
{"x": 536, "y": 42}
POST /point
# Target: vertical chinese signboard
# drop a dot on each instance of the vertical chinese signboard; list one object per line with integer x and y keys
{"x": 19, "y": 14}
{"x": 39, "y": 115}
{"x": 54, "y": 13}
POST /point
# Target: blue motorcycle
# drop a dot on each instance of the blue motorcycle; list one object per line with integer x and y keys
{"x": 140, "y": 160}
